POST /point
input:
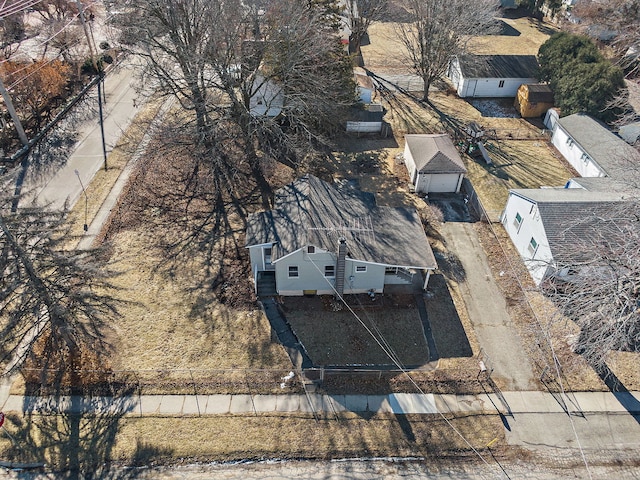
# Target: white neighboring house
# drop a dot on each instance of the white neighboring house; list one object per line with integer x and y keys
{"x": 267, "y": 99}
{"x": 322, "y": 238}
{"x": 491, "y": 75}
{"x": 542, "y": 223}
{"x": 434, "y": 164}
{"x": 591, "y": 148}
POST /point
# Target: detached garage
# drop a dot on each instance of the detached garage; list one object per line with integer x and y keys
{"x": 433, "y": 163}
{"x": 491, "y": 75}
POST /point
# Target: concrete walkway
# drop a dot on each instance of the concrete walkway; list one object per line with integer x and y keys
{"x": 398, "y": 403}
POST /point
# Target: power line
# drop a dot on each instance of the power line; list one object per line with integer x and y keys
{"x": 399, "y": 365}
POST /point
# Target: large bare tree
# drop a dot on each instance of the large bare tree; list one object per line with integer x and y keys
{"x": 598, "y": 285}
{"x": 440, "y": 30}
{"x": 220, "y": 58}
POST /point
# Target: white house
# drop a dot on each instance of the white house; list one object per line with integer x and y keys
{"x": 433, "y": 163}
{"x": 591, "y": 148}
{"x": 366, "y": 120}
{"x": 544, "y": 224}
{"x": 267, "y": 98}
{"x": 322, "y": 238}
{"x": 491, "y": 75}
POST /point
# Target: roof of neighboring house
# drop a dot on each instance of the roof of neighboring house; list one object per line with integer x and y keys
{"x": 435, "y": 153}
{"x": 498, "y": 66}
{"x": 614, "y": 156}
{"x": 627, "y": 187}
{"x": 571, "y": 214}
{"x": 538, "y": 92}
{"x": 310, "y": 211}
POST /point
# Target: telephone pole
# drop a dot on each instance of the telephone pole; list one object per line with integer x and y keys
{"x": 100, "y": 74}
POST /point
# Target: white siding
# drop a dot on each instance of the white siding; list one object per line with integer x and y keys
{"x": 364, "y": 127}
{"x": 490, "y": 87}
{"x": 574, "y": 154}
{"x": 539, "y": 260}
{"x": 267, "y": 100}
{"x": 409, "y": 163}
{"x": 257, "y": 258}
{"x": 438, "y": 183}
{"x": 311, "y": 275}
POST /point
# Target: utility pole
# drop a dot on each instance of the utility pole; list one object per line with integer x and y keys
{"x": 100, "y": 73}
{"x": 12, "y": 112}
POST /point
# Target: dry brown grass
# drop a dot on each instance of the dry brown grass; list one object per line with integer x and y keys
{"x": 101, "y": 184}
{"x": 158, "y": 440}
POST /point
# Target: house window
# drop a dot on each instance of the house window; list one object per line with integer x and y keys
{"x": 585, "y": 158}
{"x": 267, "y": 254}
{"x": 533, "y": 245}
{"x": 361, "y": 268}
{"x": 570, "y": 142}
{"x": 293, "y": 271}
{"x": 501, "y": 84}
{"x": 311, "y": 249}
{"x": 329, "y": 270}
{"x": 518, "y": 221}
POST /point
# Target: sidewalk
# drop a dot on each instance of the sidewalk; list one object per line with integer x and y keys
{"x": 526, "y": 402}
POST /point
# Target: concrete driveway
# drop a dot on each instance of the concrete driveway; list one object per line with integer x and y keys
{"x": 485, "y": 303}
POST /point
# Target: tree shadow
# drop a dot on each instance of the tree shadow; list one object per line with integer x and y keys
{"x": 75, "y": 435}
{"x": 620, "y": 392}
{"x": 446, "y": 326}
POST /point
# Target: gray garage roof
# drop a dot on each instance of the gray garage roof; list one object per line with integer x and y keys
{"x": 435, "y": 154}
{"x": 615, "y": 156}
{"x": 310, "y": 211}
{"x": 498, "y": 66}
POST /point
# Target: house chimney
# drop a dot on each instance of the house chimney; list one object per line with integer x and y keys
{"x": 340, "y": 267}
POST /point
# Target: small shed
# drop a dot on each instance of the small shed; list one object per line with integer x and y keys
{"x": 533, "y": 99}
{"x": 364, "y": 85}
{"x": 366, "y": 120}
{"x": 433, "y": 163}
{"x": 491, "y": 75}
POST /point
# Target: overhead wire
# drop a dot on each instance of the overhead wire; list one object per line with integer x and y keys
{"x": 401, "y": 367}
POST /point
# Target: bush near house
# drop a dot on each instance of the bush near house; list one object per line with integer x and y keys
{"x": 582, "y": 79}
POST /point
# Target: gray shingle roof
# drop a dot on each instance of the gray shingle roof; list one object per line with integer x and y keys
{"x": 435, "y": 154}
{"x": 539, "y": 92}
{"x": 609, "y": 151}
{"x": 570, "y": 215}
{"x": 498, "y": 66}
{"x": 310, "y": 211}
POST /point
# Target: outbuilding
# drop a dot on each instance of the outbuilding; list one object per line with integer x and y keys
{"x": 433, "y": 163}
{"x": 533, "y": 99}
{"x": 491, "y": 75}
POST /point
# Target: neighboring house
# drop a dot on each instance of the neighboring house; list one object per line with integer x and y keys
{"x": 434, "y": 163}
{"x": 533, "y": 100}
{"x": 592, "y": 149}
{"x": 491, "y": 75}
{"x": 544, "y": 225}
{"x": 322, "y": 238}
{"x": 267, "y": 99}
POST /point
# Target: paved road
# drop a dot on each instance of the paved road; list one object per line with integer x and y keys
{"x": 487, "y": 308}
{"x": 56, "y": 186}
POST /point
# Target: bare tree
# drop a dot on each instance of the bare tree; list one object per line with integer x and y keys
{"x": 598, "y": 280}
{"x": 54, "y": 300}
{"x": 217, "y": 57}
{"x": 620, "y": 21}
{"x": 441, "y": 29}
{"x": 361, "y": 14}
